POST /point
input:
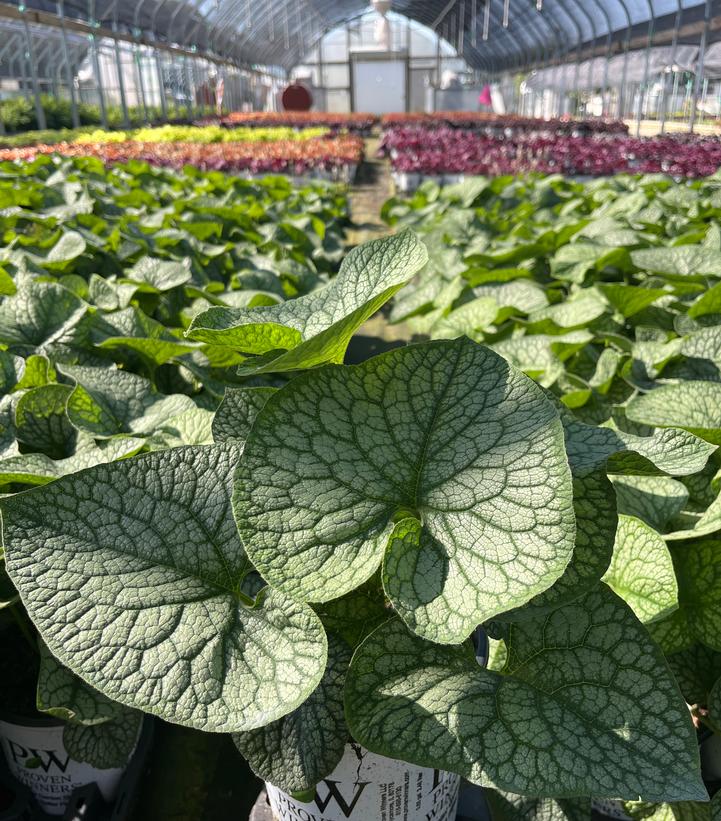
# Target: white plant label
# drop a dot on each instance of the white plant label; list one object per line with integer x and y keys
{"x": 370, "y": 787}
{"x": 37, "y": 758}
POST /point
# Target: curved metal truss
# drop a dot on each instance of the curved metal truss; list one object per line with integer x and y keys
{"x": 493, "y": 35}
{"x": 47, "y": 47}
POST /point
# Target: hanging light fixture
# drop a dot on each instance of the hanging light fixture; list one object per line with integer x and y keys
{"x": 506, "y": 10}
{"x": 383, "y": 27}
{"x": 487, "y": 20}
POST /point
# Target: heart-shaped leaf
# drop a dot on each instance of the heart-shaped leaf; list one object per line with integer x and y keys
{"x": 586, "y": 705}
{"x": 107, "y": 402}
{"x": 445, "y": 436}
{"x": 133, "y": 574}
{"x": 38, "y": 314}
{"x": 154, "y": 274}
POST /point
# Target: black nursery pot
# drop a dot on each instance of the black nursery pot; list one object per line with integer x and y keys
{"x": 710, "y": 749}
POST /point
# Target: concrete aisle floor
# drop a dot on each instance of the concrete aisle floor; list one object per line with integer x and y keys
{"x": 373, "y": 186}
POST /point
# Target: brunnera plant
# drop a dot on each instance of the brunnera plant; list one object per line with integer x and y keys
{"x": 316, "y": 574}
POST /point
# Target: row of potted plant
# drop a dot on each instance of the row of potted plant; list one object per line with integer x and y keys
{"x": 457, "y": 151}
{"x": 200, "y": 134}
{"x": 482, "y": 121}
{"x": 355, "y": 122}
{"x": 322, "y": 565}
{"x": 338, "y": 156}
{"x": 101, "y": 272}
{"x": 606, "y": 294}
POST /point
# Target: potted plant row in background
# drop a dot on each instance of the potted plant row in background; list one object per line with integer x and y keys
{"x": 310, "y": 581}
{"x": 332, "y": 157}
{"x": 446, "y": 154}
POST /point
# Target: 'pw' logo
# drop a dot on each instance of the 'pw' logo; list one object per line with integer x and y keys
{"x": 33, "y": 759}
{"x": 335, "y": 794}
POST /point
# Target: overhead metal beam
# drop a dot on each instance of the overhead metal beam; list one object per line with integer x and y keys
{"x": 42, "y": 18}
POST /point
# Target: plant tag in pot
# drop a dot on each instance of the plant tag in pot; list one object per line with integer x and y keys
{"x": 370, "y": 787}
{"x": 37, "y": 757}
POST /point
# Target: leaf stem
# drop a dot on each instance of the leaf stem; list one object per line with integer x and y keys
{"x": 244, "y": 599}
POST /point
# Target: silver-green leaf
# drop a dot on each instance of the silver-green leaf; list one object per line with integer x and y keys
{"x": 586, "y": 705}
{"x": 236, "y": 413}
{"x": 133, "y": 574}
{"x": 672, "y": 451}
{"x": 104, "y": 745}
{"x": 63, "y": 695}
{"x": 594, "y": 503}
{"x": 316, "y": 328}
{"x": 107, "y": 401}
{"x": 297, "y": 751}
{"x": 693, "y": 406}
{"x": 641, "y": 570}
{"x": 698, "y": 570}
{"x": 444, "y": 433}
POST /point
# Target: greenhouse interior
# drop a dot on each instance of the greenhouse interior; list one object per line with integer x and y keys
{"x": 360, "y": 410}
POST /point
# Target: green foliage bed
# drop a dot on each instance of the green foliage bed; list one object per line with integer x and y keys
{"x": 608, "y": 294}
{"x": 101, "y": 272}
{"x": 390, "y": 506}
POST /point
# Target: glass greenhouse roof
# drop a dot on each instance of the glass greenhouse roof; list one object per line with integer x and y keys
{"x": 490, "y": 34}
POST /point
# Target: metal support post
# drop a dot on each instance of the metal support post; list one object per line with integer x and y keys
{"x": 141, "y": 82}
{"x": 674, "y": 47}
{"x": 643, "y": 89}
{"x": 700, "y": 64}
{"x": 98, "y": 80}
{"x": 161, "y": 85}
{"x": 69, "y": 75}
{"x": 30, "y": 57}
